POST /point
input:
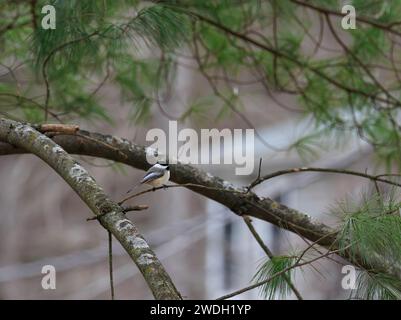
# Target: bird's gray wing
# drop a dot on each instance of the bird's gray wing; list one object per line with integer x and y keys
{"x": 151, "y": 174}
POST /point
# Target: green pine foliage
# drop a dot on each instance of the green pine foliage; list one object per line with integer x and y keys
{"x": 377, "y": 286}
{"x": 371, "y": 231}
{"x": 278, "y": 287}
{"x": 372, "y": 228}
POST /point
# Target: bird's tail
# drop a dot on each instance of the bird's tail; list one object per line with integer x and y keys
{"x": 134, "y": 187}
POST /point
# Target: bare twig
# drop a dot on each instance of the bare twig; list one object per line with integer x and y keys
{"x": 193, "y": 185}
{"x": 139, "y": 207}
{"x": 326, "y": 170}
{"x": 58, "y": 128}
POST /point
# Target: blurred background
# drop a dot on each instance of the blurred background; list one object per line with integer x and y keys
{"x": 207, "y": 250}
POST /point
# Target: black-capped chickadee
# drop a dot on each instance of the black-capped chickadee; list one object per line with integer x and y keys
{"x": 156, "y": 176}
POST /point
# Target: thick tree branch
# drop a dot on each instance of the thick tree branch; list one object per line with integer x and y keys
{"x": 239, "y": 200}
{"x": 111, "y": 215}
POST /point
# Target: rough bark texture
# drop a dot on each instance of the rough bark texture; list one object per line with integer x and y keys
{"x": 110, "y": 214}
{"x": 215, "y": 188}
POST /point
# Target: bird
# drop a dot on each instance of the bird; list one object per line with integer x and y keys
{"x": 156, "y": 176}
